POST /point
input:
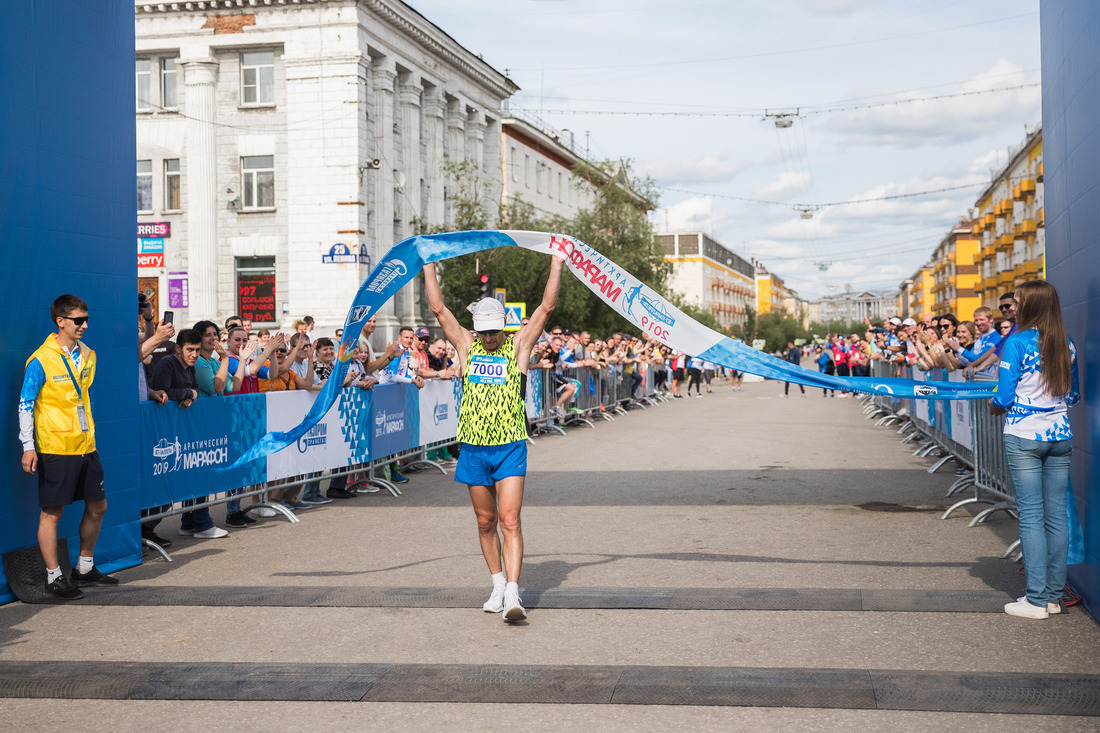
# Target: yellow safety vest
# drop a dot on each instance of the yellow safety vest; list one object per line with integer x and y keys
{"x": 56, "y": 422}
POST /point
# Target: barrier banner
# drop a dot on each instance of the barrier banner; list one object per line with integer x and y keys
{"x": 961, "y": 421}
{"x": 323, "y": 446}
{"x": 439, "y": 401}
{"x": 395, "y": 419}
{"x": 190, "y": 451}
{"x": 620, "y": 290}
{"x": 532, "y": 400}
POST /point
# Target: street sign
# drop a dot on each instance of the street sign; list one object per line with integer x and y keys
{"x": 501, "y": 294}
{"x": 514, "y": 313}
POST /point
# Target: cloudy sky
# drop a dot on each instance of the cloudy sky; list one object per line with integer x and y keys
{"x": 893, "y": 98}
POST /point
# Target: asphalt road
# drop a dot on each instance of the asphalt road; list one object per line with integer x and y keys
{"x": 734, "y": 533}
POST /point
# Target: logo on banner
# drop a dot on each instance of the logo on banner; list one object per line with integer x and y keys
{"x": 441, "y": 412}
{"x": 317, "y": 435}
{"x": 925, "y": 390}
{"x": 193, "y": 454}
{"x": 357, "y": 314}
{"x": 884, "y": 388}
{"x": 386, "y": 423}
{"x": 391, "y": 270}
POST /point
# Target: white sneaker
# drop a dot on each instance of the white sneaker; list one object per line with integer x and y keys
{"x": 1022, "y": 607}
{"x": 186, "y": 532}
{"x": 210, "y": 534}
{"x": 1053, "y": 608}
{"x": 495, "y": 604}
{"x": 265, "y": 511}
{"x": 367, "y": 489}
{"x": 513, "y": 609}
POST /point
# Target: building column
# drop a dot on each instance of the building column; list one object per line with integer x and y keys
{"x": 434, "y": 109}
{"x": 409, "y": 100}
{"x": 454, "y": 149}
{"x": 200, "y": 79}
{"x": 384, "y": 75}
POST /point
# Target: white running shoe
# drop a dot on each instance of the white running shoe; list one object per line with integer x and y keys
{"x": 495, "y": 604}
{"x": 513, "y": 609}
{"x": 1022, "y": 607}
{"x": 1053, "y": 608}
{"x": 265, "y": 511}
{"x": 210, "y": 534}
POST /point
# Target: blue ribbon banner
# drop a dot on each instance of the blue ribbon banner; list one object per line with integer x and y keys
{"x": 620, "y": 290}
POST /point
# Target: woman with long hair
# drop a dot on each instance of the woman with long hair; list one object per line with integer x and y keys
{"x": 1038, "y": 381}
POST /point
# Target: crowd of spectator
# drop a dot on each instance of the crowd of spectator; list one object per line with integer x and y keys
{"x": 936, "y": 342}
{"x": 210, "y": 360}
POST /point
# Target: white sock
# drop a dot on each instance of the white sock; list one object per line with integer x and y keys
{"x": 52, "y": 575}
{"x": 499, "y": 580}
{"x": 511, "y": 590}
{"x": 84, "y": 564}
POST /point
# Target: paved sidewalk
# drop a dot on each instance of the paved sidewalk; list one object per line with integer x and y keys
{"x": 669, "y": 553}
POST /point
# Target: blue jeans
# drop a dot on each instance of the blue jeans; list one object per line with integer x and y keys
{"x": 198, "y": 520}
{"x": 311, "y": 489}
{"x": 1040, "y": 480}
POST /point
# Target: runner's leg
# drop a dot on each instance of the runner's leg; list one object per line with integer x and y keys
{"x": 510, "y": 500}
{"x": 484, "y": 499}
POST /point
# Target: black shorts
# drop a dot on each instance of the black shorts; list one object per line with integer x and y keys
{"x": 678, "y": 374}
{"x": 65, "y": 479}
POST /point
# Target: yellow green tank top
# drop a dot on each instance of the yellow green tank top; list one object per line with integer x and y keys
{"x": 492, "y": 407}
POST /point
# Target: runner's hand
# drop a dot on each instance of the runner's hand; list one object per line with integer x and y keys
{"x": 30, "y": 461}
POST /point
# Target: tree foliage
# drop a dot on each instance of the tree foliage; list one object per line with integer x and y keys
{"x": 615, "y": 225}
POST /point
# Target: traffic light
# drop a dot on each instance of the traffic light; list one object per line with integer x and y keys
{"x": 484, "y": 286}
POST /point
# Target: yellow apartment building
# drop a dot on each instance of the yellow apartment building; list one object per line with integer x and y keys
{"x": 956, "y": 272}
{"x": 1010, "y": 222}
{"x": 916, "y": 294}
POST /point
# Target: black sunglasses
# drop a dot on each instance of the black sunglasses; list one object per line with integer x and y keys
{"x": 489, "y": 333}
{"x": 280, "y": 351}
{"x": 423, "y": 338}
{"x": 77, "y": 321}
{"x": 1005, "y": 306}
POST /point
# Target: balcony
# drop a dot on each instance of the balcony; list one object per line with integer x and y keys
{"x": 1031, "y": 267}
{"x": 1042, "y": 218}
{"x": 1017, "y": 194}
{"x": 989, "y": 251}
{"x": 988, "y": 221}
{"x": 1039, "y": 172}
{"x": 1027, "y": 186}
{"x": 1006, "y": 279}
{"x": 1005, "y": 241}
{"x": 1018, "y": 271}
{"x": 952, "y": 279}
{"x": 1027, "y": 227}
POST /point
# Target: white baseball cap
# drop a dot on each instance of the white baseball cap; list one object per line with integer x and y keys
{"x": 908, "y": 322}
{"x": 896, "y": 321}
{"x": 488, "y": 315}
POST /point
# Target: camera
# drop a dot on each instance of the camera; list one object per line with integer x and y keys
{"x": 142, "y": 303}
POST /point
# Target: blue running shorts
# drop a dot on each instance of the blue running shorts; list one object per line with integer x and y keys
{"x": 484, "y": 465}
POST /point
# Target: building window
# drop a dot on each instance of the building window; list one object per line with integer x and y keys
{"x": 168, "y": 83}
{"x": 527, "y": 171}
{"x": 258, "y": 77}
{"x": 560, "y": 190}
{"x": 256, "y": 289}
{"x": 145, "y": 185}
{"x": 172, "y": 185}
{"x": 258, "y": 181}
{"x": 515, "y": 165}
{"x": 143, "y": 81}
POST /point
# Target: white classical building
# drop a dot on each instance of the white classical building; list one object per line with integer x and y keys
{"x": 284, "y": 146}
{"x": 710, "y": 276}
{"x": 850, "y": 307}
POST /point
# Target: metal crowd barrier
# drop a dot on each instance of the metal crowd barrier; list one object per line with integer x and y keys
{"x": 990, "y": 480}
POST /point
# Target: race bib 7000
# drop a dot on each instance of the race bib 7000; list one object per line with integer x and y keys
{"x": 488, "y": 369}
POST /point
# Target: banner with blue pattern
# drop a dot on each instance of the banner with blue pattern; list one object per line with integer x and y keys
{"x": 620, "y": 290}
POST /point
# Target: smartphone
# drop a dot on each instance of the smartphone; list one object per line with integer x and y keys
{"x": 168, "y": 316}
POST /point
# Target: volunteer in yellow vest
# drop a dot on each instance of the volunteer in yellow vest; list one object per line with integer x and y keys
{"x": 58, "y": 436}
{"x": 492, "y": 428}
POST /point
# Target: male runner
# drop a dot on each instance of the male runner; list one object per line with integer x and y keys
{"x": 492, "y": 428}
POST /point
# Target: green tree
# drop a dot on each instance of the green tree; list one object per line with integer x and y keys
{"x": 777, "y": 329}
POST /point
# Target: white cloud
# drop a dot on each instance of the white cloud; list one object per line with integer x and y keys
{"x": 785, "y": 186}
{"x": 702, "y": 168}
{"x": 939, "y": 121}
